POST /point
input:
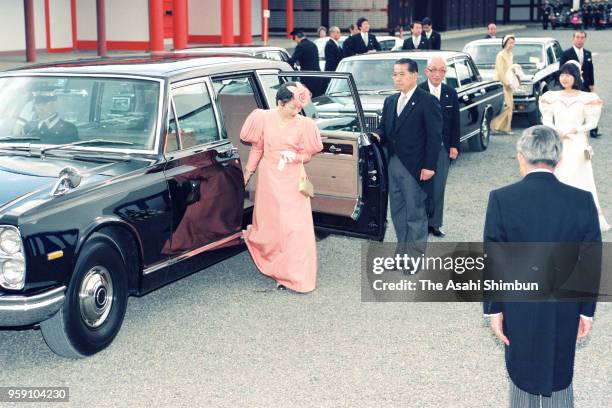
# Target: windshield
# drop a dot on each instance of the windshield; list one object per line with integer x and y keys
{"x": 523, "y": 54}
{"x": 61, "y": 110}
{"x": 370, "y": 75}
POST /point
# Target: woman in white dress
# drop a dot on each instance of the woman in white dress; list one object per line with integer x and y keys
{"x": 573, "y": 114}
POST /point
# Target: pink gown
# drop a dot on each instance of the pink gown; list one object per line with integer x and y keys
{"x": 281, "y": 239}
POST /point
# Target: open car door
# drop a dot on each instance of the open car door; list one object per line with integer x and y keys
{"x": 349, "y": 175}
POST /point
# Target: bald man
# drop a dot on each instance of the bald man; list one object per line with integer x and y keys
{"x": 449, "y": 103}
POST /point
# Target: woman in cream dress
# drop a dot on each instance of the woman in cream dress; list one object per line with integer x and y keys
{"x": 502, "y": 123}
{"x": 573, "y": 114}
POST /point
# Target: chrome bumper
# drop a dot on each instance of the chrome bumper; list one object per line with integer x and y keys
{"x": 19, "y": 310}
{"x": 528, "y": 102}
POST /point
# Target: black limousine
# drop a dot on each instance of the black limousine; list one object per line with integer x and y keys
{"x": 120, "y": 175}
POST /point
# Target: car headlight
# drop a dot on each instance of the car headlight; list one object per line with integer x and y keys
{"x": 12, "y": 274}
{"x": 524, "y": 89}
{"x": 12, "y": 259}
{"x": 10, "y": 241}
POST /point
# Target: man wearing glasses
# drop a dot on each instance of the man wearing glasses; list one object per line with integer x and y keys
{"x": 449, "y": 103}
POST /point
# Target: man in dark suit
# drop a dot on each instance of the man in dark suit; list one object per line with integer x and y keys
{"x": 47, "y": 125}
{"x": 585, "y": 58}
{"x": 449, "y": 102}
{"x": 416, "y": 41}
{"x": 411, "y": 128}
{"x": 333, "y": 51}
{"x": 361, "y": 42}
{"x": 306, "y": 54}
{"x": 540, "y": 337}
{"x": 434, "y": 37}
{"x": 491, "y": 31}
{"x": 546, "y": 12}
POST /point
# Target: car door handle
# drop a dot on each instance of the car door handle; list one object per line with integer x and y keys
{"x": 483, "y": 91}
{"x": 226, "y": 155}
{"x": 335, "y": 150}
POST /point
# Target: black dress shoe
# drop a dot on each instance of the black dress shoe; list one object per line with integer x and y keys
{"x": 281, "y": 287}
{"x": 436, "y": 232}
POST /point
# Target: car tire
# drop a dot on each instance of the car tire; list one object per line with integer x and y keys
{"x": 480, "y": 142}
{"x": 535, "y": 117}
{"x": 95, "y": 303}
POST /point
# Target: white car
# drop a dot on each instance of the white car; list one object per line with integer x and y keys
{"x": 539, "y": 59}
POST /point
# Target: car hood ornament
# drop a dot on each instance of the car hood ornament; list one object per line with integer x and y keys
{"x": 69, "y": 178}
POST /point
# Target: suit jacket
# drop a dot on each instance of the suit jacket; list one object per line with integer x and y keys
{"x": 588, "y": 76}
{"x": 61, "y": 132}
{"x": 539, "y": 208}
{"x": 355, "y": 45}
{"x": 307, "y": 55}
{"x": 435, "y": 40}
{"x": 423, "y": 45}
{"x": 333, "y": 55}
{"x": 416, "y": 135}
{"x": 449, "y": 103}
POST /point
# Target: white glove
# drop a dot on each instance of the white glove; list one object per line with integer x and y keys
{"x": 286, "y": 156}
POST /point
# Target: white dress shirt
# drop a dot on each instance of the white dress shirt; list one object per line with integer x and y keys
{"x": 365, "y": 39}
{"x": 580, "y": 53}
{"x": 416, "y": 41}
{"x": 435, "y": 90}
{"x": 403, "y": 100}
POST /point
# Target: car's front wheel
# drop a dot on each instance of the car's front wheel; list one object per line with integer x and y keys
{"x": 96, "y": 300}
{"x": 480, "y": 142}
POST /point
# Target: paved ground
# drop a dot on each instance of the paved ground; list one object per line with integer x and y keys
{"x": 225, "y": 338}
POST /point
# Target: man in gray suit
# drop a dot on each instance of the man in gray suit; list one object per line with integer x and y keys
{"x": 411, "y": 128}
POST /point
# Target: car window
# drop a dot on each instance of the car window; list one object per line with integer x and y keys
{"x": 75, "y": 109}
{"x": 270, "y": 83}
{"x": 550, "y": 55}
{"x": 196, "y": 117}
{"x": 387, "y": 45}
{"x": 172, "y": 139}
{"x": 484, "y": 55}
{"x": 464, "y": 74}
{"x": 371, "y": 75}
{"x": 451, "y": 76}
{"x": 236, "y": 99}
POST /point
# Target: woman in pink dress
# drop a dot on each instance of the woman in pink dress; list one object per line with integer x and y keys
{"x": 281, "y": 239}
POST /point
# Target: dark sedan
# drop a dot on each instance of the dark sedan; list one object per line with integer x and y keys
{"x": 480, "y": 101}
{"x": 118, "y": 176}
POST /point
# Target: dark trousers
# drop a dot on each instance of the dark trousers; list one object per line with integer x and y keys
{"x": 439, "y": 186}
{"x": 408, "y": 209}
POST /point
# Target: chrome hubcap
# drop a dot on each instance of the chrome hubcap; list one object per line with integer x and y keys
{"x": 484, "y": 130}
{"x": 96, "y": 296}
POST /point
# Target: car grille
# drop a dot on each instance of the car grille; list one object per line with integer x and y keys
{"x": 372, "y": 120}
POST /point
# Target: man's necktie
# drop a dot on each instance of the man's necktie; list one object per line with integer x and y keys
{"x": 401, "y": 103}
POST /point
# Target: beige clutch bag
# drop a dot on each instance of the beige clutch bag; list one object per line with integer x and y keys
{"x": 305, "y": 186}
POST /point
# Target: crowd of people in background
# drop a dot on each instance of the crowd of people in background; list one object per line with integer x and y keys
{"x": 591, "y": 14}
